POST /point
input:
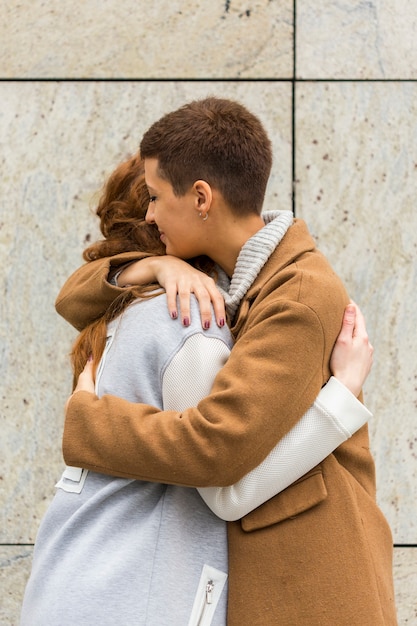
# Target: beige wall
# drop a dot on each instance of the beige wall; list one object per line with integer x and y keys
{"x": 347, "y": 124}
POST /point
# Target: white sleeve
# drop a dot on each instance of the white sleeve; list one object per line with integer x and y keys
{"x": 190, "y": 375}
{"x": 335, "y": 415}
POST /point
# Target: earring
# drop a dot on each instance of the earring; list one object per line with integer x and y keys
{"x": 205, "y": 217}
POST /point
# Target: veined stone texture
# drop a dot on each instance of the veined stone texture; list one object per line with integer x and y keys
{"x": 138, "y": 39}
{"x": 405, "y": 576}
{"x": 15, "y": 563}
{"x": 62, "y": 140}
{"x": 356, "y": 176}
{"x": 356, "y": 39}
{"x": 59, "y": 142}
{"x": 355, "y": 161}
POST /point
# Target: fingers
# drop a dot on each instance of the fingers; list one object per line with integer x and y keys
{"x": 351, "y": 359}
{"x": 219, "y": 308}
{"x": 171, "y": 295}
{"x": 360, "y": 326}
{"x": 353, "y": 323}
{"x": 209, "y": 298}
{"x": 86, "y": 378}
{"x": 348, "y": 323}
{"x": 88, "y": 367}
{"x": 204, "y": 304}
{"x": 184, "y": 295}
{"x": 353, "y": 326}
{"x": 178, "y": 295}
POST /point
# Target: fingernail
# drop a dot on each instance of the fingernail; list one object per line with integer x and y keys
{"x": 174, "y": 315}
{"x": 206, "y": 325}
{"x": 221, "y": 322}
{"x": 186, "y": 321}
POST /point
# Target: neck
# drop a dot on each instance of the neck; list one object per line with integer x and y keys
{"x": 229, "y": 236}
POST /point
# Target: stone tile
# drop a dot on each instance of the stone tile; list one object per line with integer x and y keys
{"x": 356, "y": 180}
{"x": 353, "y": 39}
{"x": 130, "y": 39}
{"x": 405, "y": 577}
{"x": 63, "y": 139}
{"x": 15, "y": 562}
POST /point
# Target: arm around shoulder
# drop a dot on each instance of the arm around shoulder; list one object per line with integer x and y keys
{"x": 87, "y": 294}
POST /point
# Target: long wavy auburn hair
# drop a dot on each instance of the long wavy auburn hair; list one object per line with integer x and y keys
{"x": 122, "y": 210}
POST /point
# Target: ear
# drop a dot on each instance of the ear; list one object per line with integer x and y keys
{"x": 203, "y": 196}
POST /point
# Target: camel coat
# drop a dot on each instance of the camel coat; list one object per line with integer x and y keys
{"x": 320, "y": 552}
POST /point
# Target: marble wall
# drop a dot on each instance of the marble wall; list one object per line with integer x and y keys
{"x": 334, "y": 83}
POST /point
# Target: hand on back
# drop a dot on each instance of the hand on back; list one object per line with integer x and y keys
{"x": 352, "y": 355}
{"x": 178, "y": 278}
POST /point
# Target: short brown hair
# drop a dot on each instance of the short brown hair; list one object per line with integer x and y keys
{"x": 215, "y": 140}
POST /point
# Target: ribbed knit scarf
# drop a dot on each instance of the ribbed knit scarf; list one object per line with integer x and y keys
{"x": 252, "y": 257}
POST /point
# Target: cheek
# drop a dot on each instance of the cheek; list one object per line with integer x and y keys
{"x": 182, "y": 239}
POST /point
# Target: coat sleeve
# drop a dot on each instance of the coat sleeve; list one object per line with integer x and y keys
{"x": 273, "y": 375}
{"x": 334, "y": 417}
{"x": 87, "y": 294}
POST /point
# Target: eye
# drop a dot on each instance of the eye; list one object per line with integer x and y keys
{"x": 152, "y": 199}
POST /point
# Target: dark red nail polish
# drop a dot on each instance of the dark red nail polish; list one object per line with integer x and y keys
{"x": 174, "y": 315}
{"x": 206, "y": 324}
{"x": 186, "y": 321}
{"x": 221, "y": 322}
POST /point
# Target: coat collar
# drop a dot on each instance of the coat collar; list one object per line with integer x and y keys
{"x": 296, "y": 242}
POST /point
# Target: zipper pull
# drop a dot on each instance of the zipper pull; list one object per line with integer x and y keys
{"x": 209, "y": 591}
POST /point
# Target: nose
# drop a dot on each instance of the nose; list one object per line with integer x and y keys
{"x": 150, "y": 213}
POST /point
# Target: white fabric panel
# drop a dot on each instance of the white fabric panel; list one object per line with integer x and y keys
{"x": 190, "y": 375}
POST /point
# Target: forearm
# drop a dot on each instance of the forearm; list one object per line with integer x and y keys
{"x": 116, "y": 437}
{"x": 139, "y": 273}
{"x": 87, "y": 294}
{"x": 334, "y": 417}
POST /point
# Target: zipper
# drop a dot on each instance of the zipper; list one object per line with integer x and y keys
{"x": 209, "y": 591}
{"x": 210, "y": 588}
{"x": 208, "y": 600}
